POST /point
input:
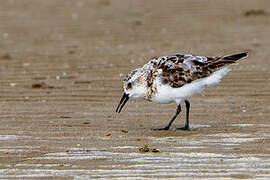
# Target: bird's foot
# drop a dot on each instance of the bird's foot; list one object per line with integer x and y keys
{"x": 160, "y": 129}
{"x": 185, "y": 128}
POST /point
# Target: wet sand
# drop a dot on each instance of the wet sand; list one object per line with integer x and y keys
{"x": 61, "y": 67}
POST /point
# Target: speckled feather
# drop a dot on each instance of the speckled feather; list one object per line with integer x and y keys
{"x": 180, "y": 69}
{"x": 176, "y": 71}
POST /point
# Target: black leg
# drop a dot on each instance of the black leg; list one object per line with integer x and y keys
{"x": 171, "y": 121}
{"x": 186, "y": 127}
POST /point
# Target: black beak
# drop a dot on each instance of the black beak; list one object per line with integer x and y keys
{"x": 123, "y": 101}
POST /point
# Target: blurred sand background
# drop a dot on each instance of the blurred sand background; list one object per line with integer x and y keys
{"x": 61, "y": 69}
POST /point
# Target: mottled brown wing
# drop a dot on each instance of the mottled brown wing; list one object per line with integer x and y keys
{"x": 178, "y": 73}
{"x": 180, "y": 70}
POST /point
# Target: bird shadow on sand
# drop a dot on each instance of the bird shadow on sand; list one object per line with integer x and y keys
{"x": 195, "y": 127}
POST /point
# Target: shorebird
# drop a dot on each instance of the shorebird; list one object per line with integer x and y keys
{"x": 174, "y": 79}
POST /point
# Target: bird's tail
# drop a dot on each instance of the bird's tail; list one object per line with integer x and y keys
{"x": 219, "y": 62}
{"x": 235, "y": 57}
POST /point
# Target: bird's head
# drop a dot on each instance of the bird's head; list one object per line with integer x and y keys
{"x": 134, "y": 86}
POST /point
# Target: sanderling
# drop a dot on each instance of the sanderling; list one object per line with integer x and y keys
{"x": 175, "y": 78}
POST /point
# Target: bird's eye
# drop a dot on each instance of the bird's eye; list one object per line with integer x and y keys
{"x": 129, "y": 85}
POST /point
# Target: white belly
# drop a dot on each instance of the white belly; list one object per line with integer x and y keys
{"x": 167, "y": 94}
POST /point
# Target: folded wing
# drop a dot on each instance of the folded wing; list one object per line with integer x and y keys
{"x": 180, "y": 69}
